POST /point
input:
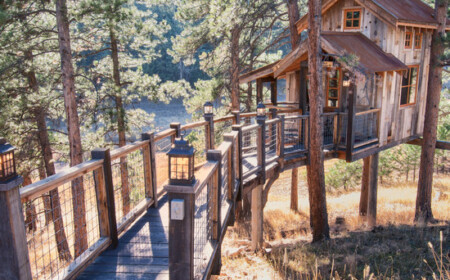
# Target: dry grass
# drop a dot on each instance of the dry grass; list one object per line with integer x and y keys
{"x": 394, "y": 250}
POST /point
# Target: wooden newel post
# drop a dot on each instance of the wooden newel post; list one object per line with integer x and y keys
{"x": 232, "y": 170}
{"x": 261, "y": 146}
{"x": 237, "y": 117}
{"x": 181, "y": 231}
{"x": 105, "y": 197}
{"x": 177, "y": 127}
{"x": 238, "y": 128}
{"x": 281, "y": 136}
{"x": 350, "y": 124}
{"x": 14, "y": 260}
{"x": 151, "y": 190}
{"x": 209, "y": 132}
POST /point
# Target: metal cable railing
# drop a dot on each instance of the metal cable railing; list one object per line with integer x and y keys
{"x": 296, "y": 133}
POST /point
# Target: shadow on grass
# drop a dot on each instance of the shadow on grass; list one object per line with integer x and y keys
{"x": 392, "y": 252}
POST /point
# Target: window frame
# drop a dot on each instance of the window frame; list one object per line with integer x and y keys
{"x": 409, "y": 86}
{"x": 344, "y": 26}
{"x": 338, "y": 88}
{"x": 411, "y": 40}
{"x": 420, "y": 34}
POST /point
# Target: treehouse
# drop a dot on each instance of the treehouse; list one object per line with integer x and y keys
{"x": 375, "y": 57}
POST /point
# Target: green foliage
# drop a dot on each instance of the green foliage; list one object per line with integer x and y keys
{"x": 343, "y": 175}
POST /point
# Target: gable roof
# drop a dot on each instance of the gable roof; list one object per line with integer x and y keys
{"x": 371, "y": 58}
{"x": 394, "y": 12}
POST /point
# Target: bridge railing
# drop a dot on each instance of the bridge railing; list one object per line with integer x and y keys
{"x": 207, "y": 208}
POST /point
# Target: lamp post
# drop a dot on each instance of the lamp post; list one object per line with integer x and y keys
{"x": 15, "y": 263}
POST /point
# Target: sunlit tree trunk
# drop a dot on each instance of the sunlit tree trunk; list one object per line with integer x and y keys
{"x": 235, "y": 35}
{"x": 423, "y": 202}
{"x": 315, "y": 169}
{"x": 73, "y": 126}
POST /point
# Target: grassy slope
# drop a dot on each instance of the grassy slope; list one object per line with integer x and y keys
{"x": 394, "y": 250}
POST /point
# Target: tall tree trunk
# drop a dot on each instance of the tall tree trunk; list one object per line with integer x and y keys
{"x": 423, "y": 202}
{"x": 248, "y": 103}
{"x": 73, "y": 126}
{"x": 45, "y": 198}
{"x": 315, "y": 169}
{"x": 30, "y": 209}
{"x": 235, "y": 35}
{"x": 293, "y": 14}
{"x": 363, "y": 201}
{"x": 120, "y": 122}
{"x": 51, "y": 202}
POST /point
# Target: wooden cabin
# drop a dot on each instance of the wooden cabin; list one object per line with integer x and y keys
{"x": 376, "y": 56}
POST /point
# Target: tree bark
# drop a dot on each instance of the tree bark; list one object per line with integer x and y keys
{"x": 293, "y": 15}
{"x": 248, "y": 104}
{"x": 364, "y": 188}
{"x": 235, "y": 35}
{"x": 51, "y": 201}
{"x": 315, "y": 169}
{"x": 120, "y": 122}
{"x": 423, "y": 201}
{"x": 73, "y": 126}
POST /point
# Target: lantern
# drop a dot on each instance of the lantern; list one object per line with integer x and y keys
{"x": 181, "y": 163}
{"x": 7, "y": 161}
{"x": 261, "y": 111}
{"x": 208, "y": 108}
{"x": 328, "y": 64}
{"x": 346, "y": 81}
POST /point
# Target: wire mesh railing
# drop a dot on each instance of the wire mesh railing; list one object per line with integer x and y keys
{"x": 271, "y": 140}
{"x": 129, "y": 183}
{"x": 366, "y": 127}
{"x": 329, "y": 129}
{"x": 250, "y": 149}
{"x": 162, "y": 147}
{"x": 221, "y": 128}
{"x": 296, "y": 134}
{"x": 61, "y": 243}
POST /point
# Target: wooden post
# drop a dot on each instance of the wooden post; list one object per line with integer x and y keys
{"x": 151, "y": 188}
{"x": 238, "y": 128}
{"x": 259, "y": 91}
{"x": 230, "y": 137}
{"x": 273, "y": 92}
{"x": 181, "y": 236}
{"x": 350, "y": 124}
{"x": 364, "y": 188}
{"x": 216, "y": 155}
{"x": 15, "y": 263}
{"x": 237, "y": 117}
{"x": 372, "y": 196}
{"x": 294, "y": 190}
{"x": 209, "y": 131}
{"x": 282, "y": 127}
{"x": 257, "y": 218}
{"x": 302, "y": 76}
{"x": 261, "y": 147}
{"x": 177, "y": 127}
{"x": 106, "y": 192}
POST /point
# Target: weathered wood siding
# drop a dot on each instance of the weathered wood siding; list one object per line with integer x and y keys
{"x": 384, "y": 90}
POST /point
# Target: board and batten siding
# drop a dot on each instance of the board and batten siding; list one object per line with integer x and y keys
{"x": 397, "y": 122}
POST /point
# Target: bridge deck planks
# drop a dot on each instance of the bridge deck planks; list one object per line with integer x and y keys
{"x": 142, "y": 253}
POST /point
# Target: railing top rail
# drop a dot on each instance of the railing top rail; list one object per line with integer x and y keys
{"x": 250, "y": 127}
{"x": 122, "y": 151}
{"x": 273, "y": 121}
{"x": 193, "y": 125}
{"x": 247, "y": 115}
{"x": 224, "y": 147}
{"x": 233, "y": 134}
{"x": 165, "y": 133}
{"x": 43, "y": 186}
{"x": 287, "y": 111}
{"x": 330, "y": 114}
{"x": 368, "y": 112}
{"x": 224, "y": 119}
{"x": 296, "y": 117}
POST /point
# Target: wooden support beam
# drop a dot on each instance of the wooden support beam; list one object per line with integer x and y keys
{"x": 259, "y": 91}
{"x": 372, "y": 192}
{"x": 442, "y": 145}
{"x": 294, "y": 190}
{"x": 107, "y": 216}
{"x": 151, "y": 188}
{"x": 302, "y": 77}
{"x": 209, "y": 131}
{"x": 15, "y": 263}
{"x": 364, "y": 188}
{"x": 273, "y": 92}
{"x": 257, "y": 218}
{"x": 350, "y": 124}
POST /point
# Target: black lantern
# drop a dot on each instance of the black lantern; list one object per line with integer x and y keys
{"x": 346, "y": 81}
{"x": 181, "y": 163}
{"x": 7, "y": 161}
{"x": 208, "y": 108}
{"x": 261, "y": 111}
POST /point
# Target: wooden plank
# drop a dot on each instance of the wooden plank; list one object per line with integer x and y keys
{"x": 373, "y": 188}
{"x": 37, "y": 189}
{"x": 442, "y": 145}
{"x": 193, "y": 125}
{"x": 257, "y": 218}
{"x": 350, "y": 127}
{"x": 102, "y": 203}
{"x": 165, "y": 133}
{"x": 127, "y": 149}
{"x": 367, "y": 112}
{"x": 224, "y": 119}
{"x": 122, "y": 276}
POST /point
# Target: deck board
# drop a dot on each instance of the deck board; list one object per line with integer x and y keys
{"x": 142, "y": 253}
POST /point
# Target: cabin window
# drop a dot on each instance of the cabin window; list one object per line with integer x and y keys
{"x": 408, "y": 40}
{"x": 352, "y": 19}
{"x": 409, "y": 86}
{"x": 333, "y": 87}
{"x": 418, "y": 41}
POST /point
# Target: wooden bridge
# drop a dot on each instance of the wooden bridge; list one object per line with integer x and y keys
{"x": 123, "y": 198}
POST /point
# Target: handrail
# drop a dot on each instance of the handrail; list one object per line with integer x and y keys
{"x": 224, "y": 119}
{"x": 250, "y": 127}
{"x": 296, "y": 117}
{"x": 193, "y": 125}
{"x": 35, "y": 190}
{"x": 367, "y": 112}
{"x": 165, "y": 133}
{"x": 122, "y": 151}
